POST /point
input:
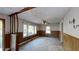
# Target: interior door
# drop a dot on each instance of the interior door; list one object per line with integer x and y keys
{"x": 1, "y": 35}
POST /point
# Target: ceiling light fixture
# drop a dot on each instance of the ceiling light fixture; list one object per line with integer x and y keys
{"x": 44, "y": 22}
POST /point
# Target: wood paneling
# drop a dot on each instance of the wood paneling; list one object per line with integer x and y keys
{"x": 71, "y": 43}
{"x": 19, "y": 37}
{"x": 55, "y": 34}
{"x": 7, "y": 41}
{"x": 26, "y": 38}
{"x": 41, "y": 33}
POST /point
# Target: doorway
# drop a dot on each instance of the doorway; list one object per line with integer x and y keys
{"x": 1, "y": 34}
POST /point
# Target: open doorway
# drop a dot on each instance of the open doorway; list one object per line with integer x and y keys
{"x": 1, "y": 34}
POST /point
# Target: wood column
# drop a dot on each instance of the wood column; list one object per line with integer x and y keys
{"x": 14, "y": 25}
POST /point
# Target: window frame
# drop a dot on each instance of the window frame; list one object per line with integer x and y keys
{"x": 27, "y": 25}
{"x": 35, "y": 32}
{"x": 26, "y": 30}
{"x": 46, "y": 30}
{"x": 35, "y": 29}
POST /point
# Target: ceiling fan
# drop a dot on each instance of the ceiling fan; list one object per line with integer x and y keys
{"x": 45, "y": 22}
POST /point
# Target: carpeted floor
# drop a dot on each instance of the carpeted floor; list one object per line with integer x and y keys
{"x": 43, "y": 44}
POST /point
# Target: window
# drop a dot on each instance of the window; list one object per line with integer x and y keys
{"x": 24, "y": 30}
{"x": 31, "y": 30}
{"x": 48, "y": 30}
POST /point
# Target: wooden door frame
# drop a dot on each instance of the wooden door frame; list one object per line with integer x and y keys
{"x": 3, "y": 33}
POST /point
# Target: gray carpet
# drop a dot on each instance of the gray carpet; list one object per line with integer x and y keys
{"x": 43, "y": 44}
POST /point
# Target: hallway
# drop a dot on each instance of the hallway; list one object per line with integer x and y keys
{"x": 43, "y": 44}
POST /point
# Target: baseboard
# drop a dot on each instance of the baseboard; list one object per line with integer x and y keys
{"x": 22, "y": 43}
{"x": 26, "y": 41}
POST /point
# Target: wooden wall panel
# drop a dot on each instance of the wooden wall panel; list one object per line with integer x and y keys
{"x": 55, "y": 34}
{"x": 20, "y": 37}
{"x": 41, "y": 33}
{"x": 71, "y": 43}
{"x": 7, "y": 41}
{"x": 67, "y": 42}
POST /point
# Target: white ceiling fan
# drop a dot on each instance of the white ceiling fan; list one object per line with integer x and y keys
{"x": 45, "y": 21}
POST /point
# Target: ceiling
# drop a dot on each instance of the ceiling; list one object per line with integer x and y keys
{"x": 37, "y": 15}
{"x": 50, "y": 14}
{"x": 9, "y": 10}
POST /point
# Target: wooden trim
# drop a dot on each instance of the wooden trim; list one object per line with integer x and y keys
{"x": 10, "y": 24}
{"x": 26, "y": 41}
{"x": 17, "y": 39}
{"x": 23, "y": 10}
{"x": 17, "y": 22}
{"x": 70, "y": 35}
{"x": 14, "y": 23}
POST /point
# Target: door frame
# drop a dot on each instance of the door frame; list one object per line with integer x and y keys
{"x": 61, "y": 32}
{"x": 3, "y": 33}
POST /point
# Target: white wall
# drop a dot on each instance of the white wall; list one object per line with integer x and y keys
{"x": 7, "y": 23}
{"x": 68, "y": 28}
{"x": 55, "y": 27}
